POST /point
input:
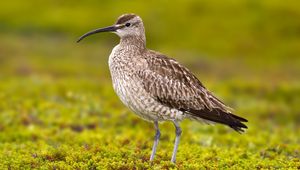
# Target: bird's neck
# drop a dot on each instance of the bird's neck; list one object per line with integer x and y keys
{"x": 136, "y": 42}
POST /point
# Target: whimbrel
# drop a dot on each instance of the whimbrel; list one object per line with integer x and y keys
{"x": 157, "y": 88}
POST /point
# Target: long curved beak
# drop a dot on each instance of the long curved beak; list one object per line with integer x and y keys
{"x": 106, "y": 29}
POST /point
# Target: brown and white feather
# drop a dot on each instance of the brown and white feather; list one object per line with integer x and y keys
{"x": 158, "y": 88}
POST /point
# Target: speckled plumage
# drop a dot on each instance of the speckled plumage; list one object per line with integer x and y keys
{"x": 128, "y": 76}
{"x": 158, "y": 88}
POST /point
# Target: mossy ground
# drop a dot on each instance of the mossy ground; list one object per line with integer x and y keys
{"x": 58, "y": 109}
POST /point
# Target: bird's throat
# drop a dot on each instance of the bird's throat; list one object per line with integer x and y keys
{"x": 134, "y": 41}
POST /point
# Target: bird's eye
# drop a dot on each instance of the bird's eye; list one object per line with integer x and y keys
{"x": 127, "y": 24}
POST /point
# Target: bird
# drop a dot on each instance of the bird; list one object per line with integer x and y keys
{"x": 158, "y": 88}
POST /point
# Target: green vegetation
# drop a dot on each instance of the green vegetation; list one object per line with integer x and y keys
{"x": 58, "y": 109}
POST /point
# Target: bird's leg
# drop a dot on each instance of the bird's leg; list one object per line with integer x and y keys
{"x": 156, "y": 139}
{"x": 178, "y": 134}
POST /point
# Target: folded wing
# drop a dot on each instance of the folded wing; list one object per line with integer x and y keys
{"x": 175, "y": 86}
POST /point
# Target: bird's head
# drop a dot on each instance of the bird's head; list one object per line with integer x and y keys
{"x": 127, "y": 25}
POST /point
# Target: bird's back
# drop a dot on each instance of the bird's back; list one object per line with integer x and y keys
{"x": 173, "y": 85}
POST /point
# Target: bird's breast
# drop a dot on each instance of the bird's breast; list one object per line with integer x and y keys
{"x": 123, "y": 67}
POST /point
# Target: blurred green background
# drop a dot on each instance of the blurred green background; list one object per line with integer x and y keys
{"x": 58, "y": 109}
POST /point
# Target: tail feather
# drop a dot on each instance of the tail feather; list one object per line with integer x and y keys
{"x": 219, "y": 116}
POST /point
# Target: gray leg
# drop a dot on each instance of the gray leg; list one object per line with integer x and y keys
{"x": 156, "y": 139}
{"x": 178, "y": 133}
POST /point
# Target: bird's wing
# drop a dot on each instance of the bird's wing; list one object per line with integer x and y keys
{"x": 175, "y": 86}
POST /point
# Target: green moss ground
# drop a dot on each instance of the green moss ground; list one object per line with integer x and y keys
{"x": 58, "y": 109}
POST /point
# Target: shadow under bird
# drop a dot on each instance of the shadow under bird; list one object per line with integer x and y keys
{"x": 158, "y": 88}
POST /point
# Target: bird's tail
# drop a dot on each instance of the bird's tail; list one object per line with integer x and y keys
{"x": 219, "y": 116}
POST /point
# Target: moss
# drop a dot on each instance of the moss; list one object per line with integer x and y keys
{"x": 86, "y": 127}
{"x": 58, "y": 109}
